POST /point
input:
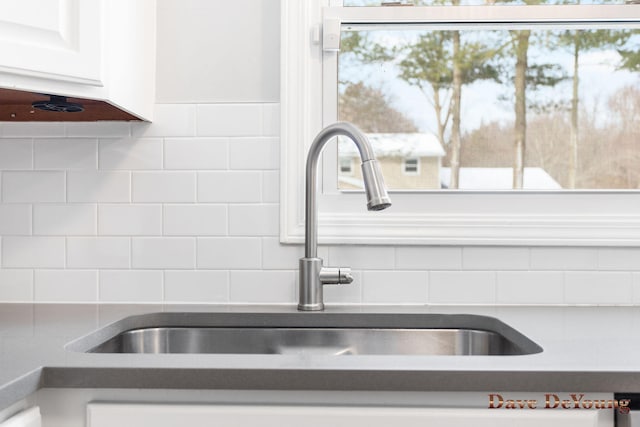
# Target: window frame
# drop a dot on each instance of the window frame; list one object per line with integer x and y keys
{"x": 441, "y": 217}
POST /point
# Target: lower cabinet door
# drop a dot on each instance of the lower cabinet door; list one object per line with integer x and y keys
{"x": 181, "y": 415}
{"x": 27, "y": 418}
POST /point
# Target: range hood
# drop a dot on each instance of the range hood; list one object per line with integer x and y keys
{"x": 18, "y": 106}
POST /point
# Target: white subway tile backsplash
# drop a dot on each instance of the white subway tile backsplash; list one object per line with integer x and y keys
{"x": 462, "y": 287}
{"x": 16, "y": 154}
{"x": 271, "y": 186}
{"x": 229, "y": 120}
{"x": 129, "y": 220}
{"x": 530, "y": 287}
{"x": 395, "y": 287}
{"x": 262, "y": 287}
{"x": 33, "y": 252}
{"x": 195, "y": 220}
{"x": 254, "y": 220}
{"x": 163, "y": 187}
{"x": 635, "y": 282}
{"x": 595, "y": 287}
{"x": 200, "y": 286}
{"x": 15, "y": 219}
{"x": 98, "y": 252}
{"x": 66, "y": 286}
{"x": 186, "y": 210}
{"x": 33, "y": 129}
{"x": 168, "y": 120}
{"x": 16, "y": 285}
{"x": 95, "y": 186}
{"x": 227, "y": 253}
{"x": 130, "y": 286}
{"x": 65, "y": 154}
{"x": 163, "y": 252}
{"x": 362, "y": 257}
{"x": 130, "y": 154}
{"x": 254, "y": 153}
{"x": 276, "y": 256}
{"x": 230, "y": 187}
{"x": 35, "y": 187}
{"x": 64, "y": 219}
{"x": 564, "y": 258}
{"x": 619, "y": 259}
{"x": 505, "y": 258}
{"x": 104, "y": 129}
{"x": 271, "y": 119}
{"x": 428, "y": 258}
{"x": 196, "y": 154}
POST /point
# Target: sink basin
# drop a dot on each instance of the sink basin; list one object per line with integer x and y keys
{"x": 316, "y": 334}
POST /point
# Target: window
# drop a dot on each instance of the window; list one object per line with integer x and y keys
{"x": 411, "y": 166}
{"x": 346, "y": 165}
{"x": 577, "y": 125}
{"x": 482, "y": 214}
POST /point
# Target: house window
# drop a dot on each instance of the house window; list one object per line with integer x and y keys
{"x": 590, "y": 198}
{"x": 411, "y": 166}
{"x": 346, "y": 165}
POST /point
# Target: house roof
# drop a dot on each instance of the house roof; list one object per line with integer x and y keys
{"x": 397, "y": 145}
{"x": 499, "y": 179}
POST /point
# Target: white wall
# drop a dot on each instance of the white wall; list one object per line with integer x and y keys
{"x": 186, "y": 209}
{"x": 218, "y": 51}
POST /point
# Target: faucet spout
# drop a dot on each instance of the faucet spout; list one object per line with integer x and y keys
{"x": 312, "y": 273}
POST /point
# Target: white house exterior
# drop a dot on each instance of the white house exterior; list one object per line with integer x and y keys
{"x": 408, "y": 160}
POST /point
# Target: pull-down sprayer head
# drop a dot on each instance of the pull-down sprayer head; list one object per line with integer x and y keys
{"x": 377, "y": 197}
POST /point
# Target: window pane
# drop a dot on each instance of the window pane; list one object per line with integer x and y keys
{"x": 542, "y": 109}
{"x": 370, "y": 3}
{"x": 411, "y": 166}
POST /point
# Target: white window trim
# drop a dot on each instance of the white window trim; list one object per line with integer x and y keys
{"x": 577, "y": 218}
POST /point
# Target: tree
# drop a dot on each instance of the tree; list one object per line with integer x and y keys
{"x": 580, "y": 41}
{"x": 526, "y": 77}
{"x": 440, "y": 64}
{"x": 427, "y": 65}
{"x": 521, "y": 48}
{"x": 631, "y": 52}
{"x": 370, "y": 109}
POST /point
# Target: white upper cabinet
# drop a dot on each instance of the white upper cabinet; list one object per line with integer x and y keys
{"x": 92, "y": 49}
{"x": 52, "y": 39}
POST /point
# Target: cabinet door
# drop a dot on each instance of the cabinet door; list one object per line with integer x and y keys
{"x": 53, "y": 39}
{"x": 163, "y": 415}
{"x": 26, "y": 418}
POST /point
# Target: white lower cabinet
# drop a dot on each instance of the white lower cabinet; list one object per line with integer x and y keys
{"x": 86, "y": 407}
{"x": 179, "y": 415}
{"x": 27, "y": 418}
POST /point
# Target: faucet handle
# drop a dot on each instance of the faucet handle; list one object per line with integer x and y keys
{"x": 335, "y": 275}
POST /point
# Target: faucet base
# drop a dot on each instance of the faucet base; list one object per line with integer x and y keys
{"x": 310, "y": 298}
{"x": 313, "y": 276}
{"x": 311, "y": 307}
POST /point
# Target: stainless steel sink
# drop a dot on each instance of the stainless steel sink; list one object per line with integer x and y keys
{"x": 317, "y": 334}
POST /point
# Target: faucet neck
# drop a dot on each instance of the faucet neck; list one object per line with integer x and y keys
{"x": 311, "y": 186}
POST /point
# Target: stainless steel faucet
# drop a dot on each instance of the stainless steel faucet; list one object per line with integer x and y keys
{"x": 313, "y": 275}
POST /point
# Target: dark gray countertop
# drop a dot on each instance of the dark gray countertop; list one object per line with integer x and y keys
{"x": 587, "y": 349}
